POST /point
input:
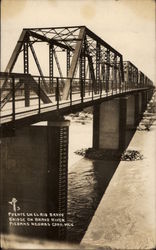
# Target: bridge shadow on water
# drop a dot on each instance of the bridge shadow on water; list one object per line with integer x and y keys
{"x": 87, "y": 184}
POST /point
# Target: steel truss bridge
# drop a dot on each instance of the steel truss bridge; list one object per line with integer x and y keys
{"x": 81, "y": 69}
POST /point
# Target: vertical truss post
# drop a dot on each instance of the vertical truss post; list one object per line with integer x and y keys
{"x": 51, "y": 67}
{"x": 133, "y": 75}
{"x": 137, "y": 78}
{"x": 142, "y": 80}
{"x": 115, "y": 72}
{"x": 13, "y": 98}
{"x": 121, "y": 70}
{"x": 68, "y": 61}
{"x": 131, "y": 72}
{"x": 39, "y": 95}
{"x": 129, "y": 76}
{"x": 98, "y": 68}
{"x": 122, "y": 84}
{"x": 118, "y": 77}
{"x": 26, "y": 71}
{"x": 26, "y": 58}
{"x": 89, "y": 83}
{"x": 111, "y": 78}
{"x": 57, "y": 92}
{"x": 82, "y": 69}
{"x": 91, "y": 71}
{"x": 103, "y": 75}
{"x": 107, "y": 69}
{"x": 70, "y": 92}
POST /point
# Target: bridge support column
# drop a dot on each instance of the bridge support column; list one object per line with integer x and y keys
{"x": 140, "y": 105}
{"x": 96, "y": 120}
{"x": 109, "y": 125}
{"x": 137, "y": 108}
{"x": 57, "y": 181}
{"x": 144, "y": 100}
{"x": 149, "y": 94}
{"x": 152, "y": 92}
{"x": 134, "y": 115}
{"x": 132, "y": 104}
{"x": 34, "y": 171}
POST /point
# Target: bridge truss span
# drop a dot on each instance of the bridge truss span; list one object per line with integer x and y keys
{"x": 74, "y": 67}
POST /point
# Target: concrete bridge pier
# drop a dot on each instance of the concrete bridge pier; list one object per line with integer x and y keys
{"x": 138, "y": 108}
{"x": 149, "y": 94}
{"x": 144, "y": 100}
{"x": 135, "y": 106}
{"x": 34, "y": 170}
{"x": 134, "y": 114}
{"x": 115, "y": 121}
{"x": 57, "y": 181}
{"x": 109, "y": 125}
{"x": 132, "y": 111}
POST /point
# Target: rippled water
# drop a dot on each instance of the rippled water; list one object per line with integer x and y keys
{"x": 87, "y": 181}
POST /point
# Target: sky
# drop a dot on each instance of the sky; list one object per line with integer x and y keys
{"x": 127, "y": 25}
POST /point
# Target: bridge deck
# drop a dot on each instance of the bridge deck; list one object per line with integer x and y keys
{"x": 37, "y": 107}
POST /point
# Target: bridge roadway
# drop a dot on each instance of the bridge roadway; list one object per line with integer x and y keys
{"x": 39, "y": 111}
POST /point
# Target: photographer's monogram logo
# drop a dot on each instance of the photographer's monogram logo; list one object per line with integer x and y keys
{"x": 13, "y": 203}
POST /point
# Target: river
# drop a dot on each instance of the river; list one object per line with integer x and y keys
{"x": 87, "y": 180}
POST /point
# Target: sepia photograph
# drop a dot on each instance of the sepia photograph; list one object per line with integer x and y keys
{"x": 78, "y": 124}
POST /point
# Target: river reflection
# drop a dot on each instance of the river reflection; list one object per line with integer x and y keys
{"x": 86, "y": 186}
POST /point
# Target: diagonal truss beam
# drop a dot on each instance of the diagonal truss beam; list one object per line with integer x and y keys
{"x": 38, "y": 66}
{"x": 122, "y": 71}
{"x": 91, "y": 67}
{"x": 9, "y": 95}
{"x": 58, "y": 65}
{"x": 34, "y": 86}
{"x": 23, "y": 38}
{"x": 15, "y": 54}
{"x": 16, "y": 51}
{"x": 74, "y": 63}
{"x": 26, "y": 79}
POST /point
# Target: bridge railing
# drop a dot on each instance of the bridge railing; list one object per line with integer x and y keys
{"x": 21, "y": 87}
{"x": 133, "y": 77}
{"x": 12, "y": 97}
{"x": 130, "y": 74}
